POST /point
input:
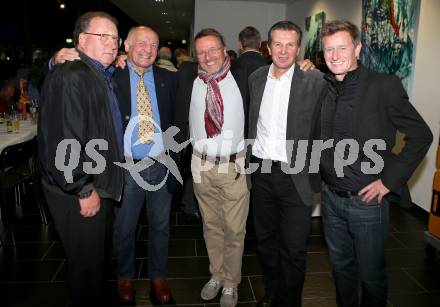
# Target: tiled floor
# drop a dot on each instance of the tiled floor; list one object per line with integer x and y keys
{"x": 33, "y": 274}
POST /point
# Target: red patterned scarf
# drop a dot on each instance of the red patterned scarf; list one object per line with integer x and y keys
{"x": 214, "y": 102}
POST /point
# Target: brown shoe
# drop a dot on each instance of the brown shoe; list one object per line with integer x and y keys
{"x": 161, "y": 289}
{"x": 125, "y": 289}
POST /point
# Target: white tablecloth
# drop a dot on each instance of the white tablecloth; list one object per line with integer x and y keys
{"x": 26, "y": 132}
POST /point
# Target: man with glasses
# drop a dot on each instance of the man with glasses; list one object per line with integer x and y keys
{"x": 211, "y": 111}
{"x": 78, "y": 107}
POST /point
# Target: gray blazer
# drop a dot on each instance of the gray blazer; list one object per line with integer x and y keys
{"x": 303, "y": 121}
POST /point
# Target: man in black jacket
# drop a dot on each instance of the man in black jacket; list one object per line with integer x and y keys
{"x": 363, "y": 110}
{"x": 79, "y": 137}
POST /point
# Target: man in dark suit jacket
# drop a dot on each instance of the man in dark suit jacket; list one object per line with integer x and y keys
{"x": 367, "y": 108}
{"x": 283, "y": 110}
{"x": 141, "y": 46}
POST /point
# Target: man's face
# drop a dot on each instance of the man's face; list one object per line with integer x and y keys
{"x": 284, "y": 50}
{"x": 210, "y": 53}
{"x": 93, "y": 46}
{"x": 141, "y": 47}
{"x": 340, "y": 53}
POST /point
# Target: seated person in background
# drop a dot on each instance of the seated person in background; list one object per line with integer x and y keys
{"x": 7, "y": 90}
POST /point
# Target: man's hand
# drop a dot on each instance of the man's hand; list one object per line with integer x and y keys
{"x": 120, "y": 61}
{"x": 373, "y": 190}
{"x": 90, "y": 205}
{"x": 306, "y": 65}
{"x": 65, "y": 54}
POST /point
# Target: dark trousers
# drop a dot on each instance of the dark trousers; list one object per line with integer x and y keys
{"x": 158, "y": 203}
{"x": 282, "y": 226}
{"x": 356, "y": 233}
{"x": 85, "y": 242}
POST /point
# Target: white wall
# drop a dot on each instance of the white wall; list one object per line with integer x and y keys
{"x": 230, "y": 17}
{"x": 425, "y": 87}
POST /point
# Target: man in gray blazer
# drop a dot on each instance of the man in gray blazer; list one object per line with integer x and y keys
{"x": 284, "y": 109}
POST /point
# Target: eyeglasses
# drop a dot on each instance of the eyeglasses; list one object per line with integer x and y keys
{"x": 210, "y": 51}
{"x": 105, "y": 38}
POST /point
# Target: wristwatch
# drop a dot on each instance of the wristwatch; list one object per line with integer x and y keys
{"x": 86, "y": 194}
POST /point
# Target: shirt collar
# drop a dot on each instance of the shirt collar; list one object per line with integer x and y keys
{"x": 106, "y": 72}
{"x": 288, "y": 74}
{"x": 131, "y": 66}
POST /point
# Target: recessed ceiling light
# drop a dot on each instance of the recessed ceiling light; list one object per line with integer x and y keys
{"x": 164, "y": 13}
{"x": 62, "y": 6}
{"x": 184, "y": 41}
{"x": 159, "y": 0}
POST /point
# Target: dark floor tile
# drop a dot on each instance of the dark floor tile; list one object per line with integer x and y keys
{"x": 251, "y": 266}
{"x": 35, "y": 234}
{"x": 318, "y": 285}
{"x": 25, "y": 251}
{"x": 413, "y": 300}
{"x": 392, "y": 242}
{"x": 28, "y": 271}
{"x": 187, "y": 291}
{"x": 411, "y": 239}
{"x": 413, "y": 211}
{"x": 33, "y": 294}
{"x": 428, "y": 278}
{"x": 316, "y": 226}
{"x": 318, "y": 262}
{"x": 110, "y": 272}
{"x": 183, "y": 267}
{"x": 28, "y": 220}
{"x": 317, "y": 243}
{"x": 319, "y": 302}
{"x": 408, "y": 224}
{"x": 401, "y": 282}
{"x": 176, "y": 248}
{"x": 408, "y": 258}
{"x": 177, "y": 232}
{"x": 56, "y": 251}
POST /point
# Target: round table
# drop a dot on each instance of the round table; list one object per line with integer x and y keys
{"x": 26, "y": 132}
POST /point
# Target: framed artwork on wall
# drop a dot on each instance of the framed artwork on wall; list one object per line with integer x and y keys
{"x": 388, "y": 37}
{"x": 312, "y": 38}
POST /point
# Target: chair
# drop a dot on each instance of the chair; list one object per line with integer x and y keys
{"x": 17, "y": 166}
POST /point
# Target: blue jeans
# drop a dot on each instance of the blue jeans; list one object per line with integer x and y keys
{"x": 356, "y": 233}
{"x": 158, "y": 205}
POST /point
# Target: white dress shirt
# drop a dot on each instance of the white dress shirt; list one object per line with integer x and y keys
{"x": 270, "y": 142}
{"x": 230, "y": 140}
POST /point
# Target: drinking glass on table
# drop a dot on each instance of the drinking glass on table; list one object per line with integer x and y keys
{"x": 16, "y": 122}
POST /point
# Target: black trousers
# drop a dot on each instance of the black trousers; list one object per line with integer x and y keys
{"x": 86, "y": 244}
{"x": 282, "y": 226}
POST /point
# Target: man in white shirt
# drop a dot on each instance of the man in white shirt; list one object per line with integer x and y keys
{"x": 210, "y": 110}
{"x": 284, "y": 109}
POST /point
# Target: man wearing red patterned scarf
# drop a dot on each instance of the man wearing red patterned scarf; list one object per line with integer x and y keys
{"x": 210, "y": 97}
